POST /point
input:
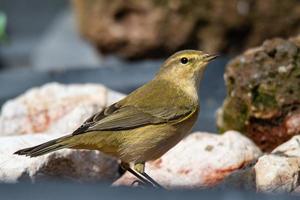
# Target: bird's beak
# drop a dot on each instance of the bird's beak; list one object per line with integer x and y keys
{"x": 209, "y": 57}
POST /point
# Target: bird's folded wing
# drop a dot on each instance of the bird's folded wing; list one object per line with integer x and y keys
{"x": 129, "y": 117}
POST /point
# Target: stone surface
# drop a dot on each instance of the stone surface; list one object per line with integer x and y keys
{"x": 74, "y": 165}
{"x": 277, "y": 174}
{"x": 263, "y": 93}
{"x": 200, "y": 160}
{"x": 53, "y": 108}
{"x": 151, "y": 28}
{"x": 45, "y": 113}
{"x": 280, "y": 171}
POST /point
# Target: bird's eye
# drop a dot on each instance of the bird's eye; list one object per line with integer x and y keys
{"x": 184, "y": 60}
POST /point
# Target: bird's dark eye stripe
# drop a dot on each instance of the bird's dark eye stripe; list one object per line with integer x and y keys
{"x": 184, "y": 60}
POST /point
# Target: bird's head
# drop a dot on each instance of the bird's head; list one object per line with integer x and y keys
{"x": 187, "y": 65}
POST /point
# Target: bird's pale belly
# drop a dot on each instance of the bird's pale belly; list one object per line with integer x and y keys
{"x": 149, "y": 143}
{"x": 140, "y": 144}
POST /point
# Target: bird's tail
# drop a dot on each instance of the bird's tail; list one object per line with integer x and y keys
{"x": 46, "y": 147}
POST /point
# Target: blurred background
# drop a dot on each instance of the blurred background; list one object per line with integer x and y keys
{"x": 121, "y": 44}
{"x": 67, "y": 34}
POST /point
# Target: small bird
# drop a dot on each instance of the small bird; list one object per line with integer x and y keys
{"x": 145, "y": 124}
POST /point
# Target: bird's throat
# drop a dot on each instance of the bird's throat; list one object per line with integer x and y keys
{"x": 188, "y": 86}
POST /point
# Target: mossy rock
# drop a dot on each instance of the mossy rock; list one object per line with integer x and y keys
{"x": 263, "y": 93}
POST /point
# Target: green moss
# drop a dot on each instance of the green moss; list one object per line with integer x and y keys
{"x": 235, "y": 113}
{"x": 263, "y": 100}
{"x": 230, "y": 84}
{"x": 296, "y": 69}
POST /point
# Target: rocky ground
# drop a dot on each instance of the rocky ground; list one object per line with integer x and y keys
{"x": 201, "y": 160}
{"x": 151, "y": 28}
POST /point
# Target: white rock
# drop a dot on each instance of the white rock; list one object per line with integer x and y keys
{"x": 200, "y": 160}
{"x": 78, "y": 165}
{"x": 290, "y": 148}
{"x": 40, "y": 108}
{"x": 53, "y": 110}
{"x": 279, "y": 172}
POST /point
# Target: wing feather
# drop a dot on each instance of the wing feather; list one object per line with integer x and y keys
{"x": 130, "y": 117}
{"x": 135, "y": 111}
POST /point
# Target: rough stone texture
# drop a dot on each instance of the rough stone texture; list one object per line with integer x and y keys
{"x": 74, "y": 165}
{"x": 263, "y": 93}
{"x": 277, "y": 174}
{"x": 280, "y": 171}
{"x": 51, "y": 111}
{"x": 53, "y": 108}
{"x": 200, "y": 160}
{"x": 153, "y": 28}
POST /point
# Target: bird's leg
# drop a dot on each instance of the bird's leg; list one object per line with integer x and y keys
{"x": 140, "y": 168}
{"x": 142, "y": 180}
